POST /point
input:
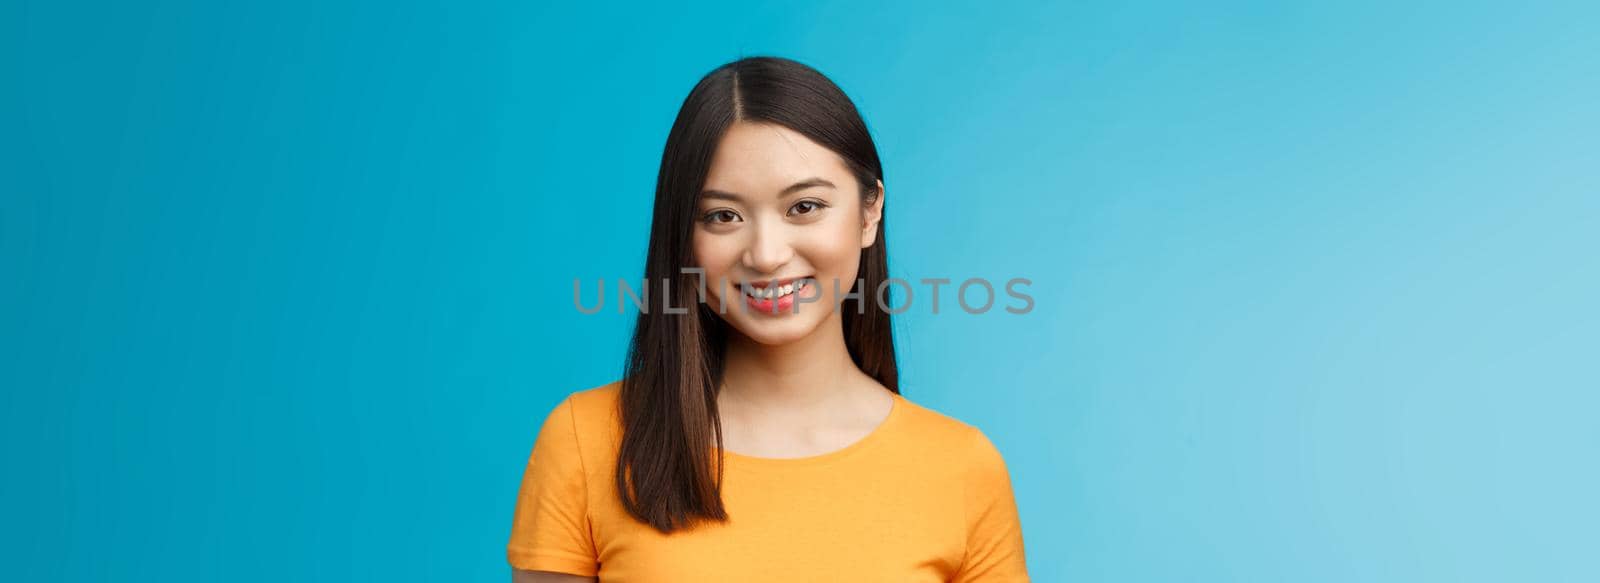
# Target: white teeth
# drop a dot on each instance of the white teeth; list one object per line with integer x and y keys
{"x": 769, "y": 292}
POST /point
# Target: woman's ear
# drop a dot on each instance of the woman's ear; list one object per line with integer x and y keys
{"x": 870, "y": 216}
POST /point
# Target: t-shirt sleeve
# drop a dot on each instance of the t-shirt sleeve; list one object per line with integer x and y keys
{"x": 550, "y": 528}
{"x": 994, "y": 530}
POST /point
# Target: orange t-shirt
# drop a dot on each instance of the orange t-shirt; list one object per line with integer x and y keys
{"x": 923, "y": 497}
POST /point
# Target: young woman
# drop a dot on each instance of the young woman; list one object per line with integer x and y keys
{"x": 760, "y": 434}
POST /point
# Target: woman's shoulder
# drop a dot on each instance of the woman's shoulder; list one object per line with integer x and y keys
{"x": 594, "y": 409}
{"x": 968, "y": 450}
{"x": 601, "y": 395}
{"x": 935, "y": 428}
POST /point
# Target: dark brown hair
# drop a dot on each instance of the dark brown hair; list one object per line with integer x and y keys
{"x": 665, "y": 475}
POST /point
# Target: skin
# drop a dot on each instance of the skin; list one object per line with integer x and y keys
{"x": 790, "y": 388}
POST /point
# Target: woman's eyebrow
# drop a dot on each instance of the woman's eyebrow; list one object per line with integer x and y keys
{"x": 792, "y": 188}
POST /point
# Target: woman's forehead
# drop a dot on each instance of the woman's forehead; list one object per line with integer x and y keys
{"x": 763, "y": 159}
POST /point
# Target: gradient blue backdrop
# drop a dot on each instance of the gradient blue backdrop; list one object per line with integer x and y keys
{"x": 286, "y": 288}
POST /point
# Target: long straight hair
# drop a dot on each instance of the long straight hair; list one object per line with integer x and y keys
{"x": 664, "y": 473}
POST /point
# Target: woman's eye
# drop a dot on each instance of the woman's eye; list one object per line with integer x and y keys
{"x": 720, "y": 216}
{"x": 806, "y": 207}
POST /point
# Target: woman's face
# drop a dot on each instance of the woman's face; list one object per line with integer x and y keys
{"x": 777, "y": 205}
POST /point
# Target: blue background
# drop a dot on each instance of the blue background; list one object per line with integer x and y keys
{"x": 287, "y": 287}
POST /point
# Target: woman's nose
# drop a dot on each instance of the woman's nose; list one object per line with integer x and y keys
{"x": 769, "y": 250}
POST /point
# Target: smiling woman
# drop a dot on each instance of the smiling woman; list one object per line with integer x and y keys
{"x": 762, "y": 434}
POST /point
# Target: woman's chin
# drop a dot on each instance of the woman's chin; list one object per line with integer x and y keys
{"x": 777, "y": 332}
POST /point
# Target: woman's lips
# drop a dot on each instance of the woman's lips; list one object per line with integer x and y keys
{"x": 779, "y": 304}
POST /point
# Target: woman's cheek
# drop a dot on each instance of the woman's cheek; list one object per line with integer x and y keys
{"x": 843, "y": 252}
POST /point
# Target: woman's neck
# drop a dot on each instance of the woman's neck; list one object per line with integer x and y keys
{"x": 812, "y": 374}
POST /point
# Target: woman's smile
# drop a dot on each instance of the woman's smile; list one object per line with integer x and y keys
{"x": 767, "y": 298}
